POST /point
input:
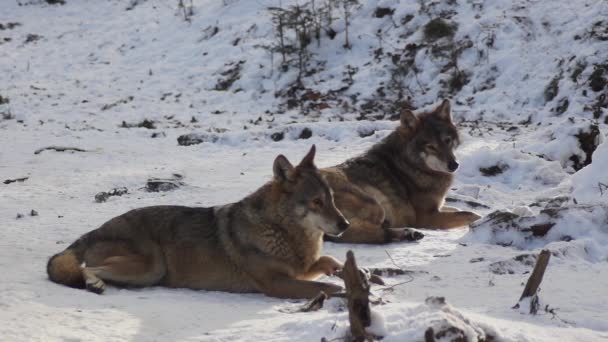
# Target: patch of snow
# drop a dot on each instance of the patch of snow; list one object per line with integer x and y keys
{"x": 590, "y": 185}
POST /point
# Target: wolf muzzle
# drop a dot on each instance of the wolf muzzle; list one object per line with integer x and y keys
{"x": 453, "y": 165}
{"x": 342, "y": 227}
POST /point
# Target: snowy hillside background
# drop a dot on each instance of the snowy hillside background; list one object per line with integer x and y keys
{"x": 206, "y": 90}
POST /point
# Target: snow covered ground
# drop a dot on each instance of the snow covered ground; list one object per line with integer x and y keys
{"x": 76, "y": 74}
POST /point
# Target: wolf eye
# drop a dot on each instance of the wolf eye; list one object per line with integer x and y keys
{"x": 318, "y": 202}
{"x": 448, "y": 140}
{"x": 431, "y": 147}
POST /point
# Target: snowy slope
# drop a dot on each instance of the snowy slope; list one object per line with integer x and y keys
{"x": 93, "y": 65}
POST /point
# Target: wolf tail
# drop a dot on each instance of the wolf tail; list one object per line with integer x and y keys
{"x": 65, "y": 267}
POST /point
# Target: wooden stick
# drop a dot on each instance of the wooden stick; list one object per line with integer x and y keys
{"x": 537, "y": 274}
{"x": 9, "y": 181}
{"x": 535, "y": 279}
{"x": 59, "y": 149}
{"x": 314, "y": 304}
{"x": 357, "y": 293}
{"x": 371, "y": 275}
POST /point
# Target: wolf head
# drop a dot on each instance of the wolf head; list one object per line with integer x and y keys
{"x": 308, "y": 199}
{"x": 430, "y": 139}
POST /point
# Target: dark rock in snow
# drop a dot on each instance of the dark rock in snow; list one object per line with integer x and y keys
{"x": 163, "y": 184}
{"x": 520, "y": 264}
{"x": 103, "y": 196}
{"x": 494, "y": 169}
{"x": 438, "y": 28}
{"x": 149, "y": 124}
{"x": 158, "y": 135}
{"x": 381, "y": 12}
{"x": 588, "y": 141}
{"x": 196, "y": 138}
{"x": 305, "y": 134}
{"x": 278, "y": 136}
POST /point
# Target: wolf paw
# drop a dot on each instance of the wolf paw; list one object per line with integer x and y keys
{"x": 96, "y": 286}
{"x": 404, "y": 234}
{"x": 328, "y": 265}
{"x": 330, "y": 270}
{"x": 469, "y": 217}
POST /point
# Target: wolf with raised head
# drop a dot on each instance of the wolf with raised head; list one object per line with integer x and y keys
{"x": 269, "y": 242}
{"x": 401, "y": 182}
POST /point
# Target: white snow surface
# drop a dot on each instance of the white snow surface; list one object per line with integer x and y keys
{"x": 97, "y": 65}
{"x": 590, "y": 185}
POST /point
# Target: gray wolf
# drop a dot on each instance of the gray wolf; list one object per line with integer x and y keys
{"x": 401, "y": 182}
{"x": 269, "y": 242}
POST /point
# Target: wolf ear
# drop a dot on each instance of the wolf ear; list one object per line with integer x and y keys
{"x": 408, "y": 119}
{"x": 283, "y": 170}
{"x": 444, "y": 111}
{"x": 309, "y": 158}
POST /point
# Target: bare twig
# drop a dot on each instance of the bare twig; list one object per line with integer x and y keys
{"x": 392, "y": 260}
{"x": 314, "y": 304}
{"x": 392, "y": 287}
{"x": 9, "y": 181}
{"x": 59, "y": 149}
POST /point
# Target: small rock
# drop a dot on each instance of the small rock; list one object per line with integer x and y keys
{"x": 383, "y": 11}
{"x": 277, "y": 136}
{"x": 19, "y": 216}
{"x": 33, "y": 213}
{"x": 103, "y": 196}
{"x": 438, "y": 28}
{"x": 588, "y": 140}
{"x": 196, "y": 138}
{"x": 305, "y": 134}
{"x": 148, "y": 124}
{"x": 435, "y": 301}
{"x": 32, "y": 38}
{"x": 494, "y": 170}
{"x": 162, "y": 185}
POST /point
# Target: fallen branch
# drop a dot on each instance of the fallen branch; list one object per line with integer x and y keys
{"x": 392, "y": 287}
{"x": 470, "y": 203}
{"x": 369, "y": 274}
{"x": 357, "y": 292}
{"x": 60, "y": 149}
{"x": 531, "y": 289}
{"x": 9, "y": 181}
{"x": 314, "y": 304}
{"x": 392, "y": 260}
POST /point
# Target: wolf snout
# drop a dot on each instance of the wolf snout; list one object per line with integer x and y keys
{"x": 453, "y": 165}
{"x": 343, "y": 225}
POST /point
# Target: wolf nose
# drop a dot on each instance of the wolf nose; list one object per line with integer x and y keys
{"x": 453, "y": 165}
{"x": 343, "y": 225}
